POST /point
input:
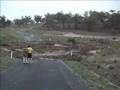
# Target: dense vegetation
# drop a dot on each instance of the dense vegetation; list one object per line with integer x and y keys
{"x": 4, "y": 22}
{"x": 90, "y": 21}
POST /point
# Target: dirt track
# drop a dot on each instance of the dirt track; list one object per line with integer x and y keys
{"x": 90, "y": 36}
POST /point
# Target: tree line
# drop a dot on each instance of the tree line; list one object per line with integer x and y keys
{"x": 90, "y": 21}
{"x": 24, "y": 20}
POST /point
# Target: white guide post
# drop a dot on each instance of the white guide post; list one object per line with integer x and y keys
{"x": 71, "y": 53}
{"x": 11, "y": 54}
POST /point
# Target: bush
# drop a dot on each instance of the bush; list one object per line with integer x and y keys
{"x": 71, "y": 40}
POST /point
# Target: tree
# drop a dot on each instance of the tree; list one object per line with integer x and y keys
{"x": 77, "y": 20}
{"x": 114, "y": 21}
{"x": 91, "y": 21}
{"x": 94, "y": 20}
{"x": 37, "y": 18}
{"x": 8, "y": 22}
{"x": 60, "y": 18}
{"x": 68, "y": 20}
{"x": 51, "y": 21}
{"x": 112, "y": 11}
{"x": 18, "y": 21}
{"x": 4, "y": 22}
{"x": 26, "y": 20}
{"x": 23, "y": 21}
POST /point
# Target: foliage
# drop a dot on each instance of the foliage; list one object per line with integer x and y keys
{"x": 71, "y": 40}
{"x": 37, "y": 18}
{"x": 90, "y": 21}
{"x": 23, "y": 21}
{"x": 94, "y": 80}
{"x": 8, "y": 36}
{"x": 5, "y": 60}
{"x": 4, "y": 22}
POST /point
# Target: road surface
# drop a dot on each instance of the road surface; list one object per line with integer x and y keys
{"x": 41, "y": 75}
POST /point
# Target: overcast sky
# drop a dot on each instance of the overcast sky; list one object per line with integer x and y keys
{"x": 16, "y": 9}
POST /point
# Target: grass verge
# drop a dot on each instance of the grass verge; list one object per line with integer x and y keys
{"x": 6, "y": 61}
{"x": 95, "y": 81}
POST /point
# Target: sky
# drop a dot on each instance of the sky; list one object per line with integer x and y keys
{"x": 15, "y": 9}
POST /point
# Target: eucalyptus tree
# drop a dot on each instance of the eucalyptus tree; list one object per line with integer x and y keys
{"x": 37, "y": 18}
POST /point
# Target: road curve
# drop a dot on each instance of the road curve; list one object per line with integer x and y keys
{"x": 41, "y": 75}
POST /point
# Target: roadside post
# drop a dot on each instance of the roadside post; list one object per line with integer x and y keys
{"x": 11, "y": 54}
{"x": 71, "y": 53}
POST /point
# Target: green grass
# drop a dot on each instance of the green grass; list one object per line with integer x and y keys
{"x": 56, "y": 36}
{"x": 86, "y": 68}
{"x": 94, "y": 81}
{"x": 9, "y": 36}
{"x": 6, "y": 62}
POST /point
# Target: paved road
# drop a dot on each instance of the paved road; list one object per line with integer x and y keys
{"x": 41, "y": 75}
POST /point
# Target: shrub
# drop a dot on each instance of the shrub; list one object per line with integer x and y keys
{"x": 71, "y": 40}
